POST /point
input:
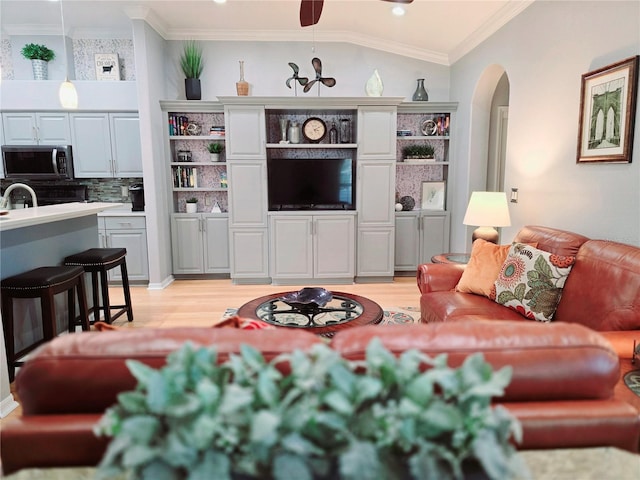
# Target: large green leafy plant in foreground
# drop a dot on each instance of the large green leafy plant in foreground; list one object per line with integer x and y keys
{"x": 382, "y": 418}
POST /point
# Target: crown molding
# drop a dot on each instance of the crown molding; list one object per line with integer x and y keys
{"x": 497, "y": 21}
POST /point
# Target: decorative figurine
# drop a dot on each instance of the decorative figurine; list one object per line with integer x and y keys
{"x": 301, "y": 80}
{"x": 326, "y": 81}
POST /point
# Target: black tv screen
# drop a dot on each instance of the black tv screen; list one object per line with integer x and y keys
{"x": 311, "y": 184}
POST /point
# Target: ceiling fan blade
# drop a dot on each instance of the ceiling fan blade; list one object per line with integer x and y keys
{"x": 398, "y": 1}
{"x": 310, "y": 11}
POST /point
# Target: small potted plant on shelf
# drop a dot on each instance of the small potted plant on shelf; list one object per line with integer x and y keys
{"x": 215, "y": 149}
{"x": 40, "y": 57}
{"x": 192, "y": 64}
{"x": 406, "y": 417}
{"x": 423, "y": 152}
{"x": 192, "y": 205}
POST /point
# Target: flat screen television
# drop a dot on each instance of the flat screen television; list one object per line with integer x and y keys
{"x": 311, "y": 184}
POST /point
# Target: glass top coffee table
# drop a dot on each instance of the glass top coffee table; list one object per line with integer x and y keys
{"x": 344, "y": 310}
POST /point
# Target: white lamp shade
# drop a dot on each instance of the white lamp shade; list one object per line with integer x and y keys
{"x": 68, "y": 95}
{"x": 487, "y": 209}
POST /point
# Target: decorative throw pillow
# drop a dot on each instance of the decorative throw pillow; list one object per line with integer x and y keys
{"x": 531, "y": 281}
{"x": 484, "y": 264}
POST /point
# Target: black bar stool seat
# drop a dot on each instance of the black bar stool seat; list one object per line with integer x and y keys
{"x": 42, "y": 283}
{"x": 98, "y": 261}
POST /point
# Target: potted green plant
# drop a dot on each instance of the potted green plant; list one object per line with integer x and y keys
{"x": 191, "y": 205}
{"x": 215, "y": 149}
{"x": 418, "y": 152}
{"x": 40, "y": 57}
{"x": 387, "y": 417}
{"x": 192, "y": 64}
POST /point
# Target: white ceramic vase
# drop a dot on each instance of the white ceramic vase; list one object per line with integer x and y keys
{"x": 374, "y": 86}
{"x": 192, "y": 207}
{"x": 215, "y": 157}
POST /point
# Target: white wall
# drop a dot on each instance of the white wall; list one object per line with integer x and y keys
{"x": 544, "y": 52}
{"x": 266, "y": 69}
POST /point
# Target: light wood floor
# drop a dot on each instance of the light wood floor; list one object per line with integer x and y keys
{"x": 203, "y": 302}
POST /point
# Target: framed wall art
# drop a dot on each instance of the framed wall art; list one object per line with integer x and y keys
{"x": 433, "y": 194}
{"x": 607, "y": 113}
{"x": 107, "y": 66}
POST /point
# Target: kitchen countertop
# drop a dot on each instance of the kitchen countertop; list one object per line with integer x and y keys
{"x": 123, "y": 210}
{"x": 26, "y": 217}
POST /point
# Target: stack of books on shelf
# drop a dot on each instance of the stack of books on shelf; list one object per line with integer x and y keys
{"x": 178, "y": 124}
{"x": 404, "y": 133}
{"x": 185, "y": 177}
{"x": 217, "y": 131}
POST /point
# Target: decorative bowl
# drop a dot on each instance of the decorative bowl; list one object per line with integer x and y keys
{"x": 309, "y": 298}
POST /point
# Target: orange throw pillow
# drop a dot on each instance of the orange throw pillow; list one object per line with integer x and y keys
{"x": 482, "y": 270}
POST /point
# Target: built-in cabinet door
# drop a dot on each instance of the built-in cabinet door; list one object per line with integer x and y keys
{"x": 186, "y": 243}
{"x": 375, "y": 253}
{"x": 376, "y": 193}
{"x": 291, "y": 247}
{"x": 334, "y": 246}
{"x": 249, "y": 255}
{"x": 91, "y": 145}
{"x": 407, "y": 241}
{"x": 434, "y": 236}
{"x": 377, "y": 133}
{"x": 135, "y": 241}
{"x": 216, "y": 243}
{"x": 36, "y": 128}
{"x": 247, "y": 193}
{"x": 125, "y": 144}
{"x": 245, "y": 132}
{"x": 3, "y": 143}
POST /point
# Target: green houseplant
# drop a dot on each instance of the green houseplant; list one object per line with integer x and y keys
{"x": 215, "y": 149}
{"x": 422, "y": 151}
{"x": 192, "y": 64}
{"x": 383, "y": 418}
{"x": 39, "y": 55}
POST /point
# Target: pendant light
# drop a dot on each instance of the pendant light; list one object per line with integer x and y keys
{"x": 67, "y": 92}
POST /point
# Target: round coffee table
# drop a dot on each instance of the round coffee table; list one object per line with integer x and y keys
{"x": 345, "y": 310}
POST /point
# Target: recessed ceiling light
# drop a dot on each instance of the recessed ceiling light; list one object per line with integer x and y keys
{"x": 398, "y": 10}
{"x": 220, "y": 1}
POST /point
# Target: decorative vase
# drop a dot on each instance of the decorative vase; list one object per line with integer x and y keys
{"x": 374, "y": 86}
{"x": 420, "y": 95}
{"x": 242, "y": 87}
{"x": 294, "y": 132}
{"x": 192, "y": 207}
{"x": 192, "y": 88}
{"x": 284, "y": 125}
{"x": 215, "y": 157}
{"x": 40, "y": 69}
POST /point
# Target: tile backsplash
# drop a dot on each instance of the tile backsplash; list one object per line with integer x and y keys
{"x": 98, "y": 189}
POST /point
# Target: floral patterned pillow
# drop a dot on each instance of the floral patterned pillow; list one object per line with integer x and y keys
{"x": 531, "y": 281}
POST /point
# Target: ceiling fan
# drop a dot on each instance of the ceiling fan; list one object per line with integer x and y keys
{"x": 310, "y": 10}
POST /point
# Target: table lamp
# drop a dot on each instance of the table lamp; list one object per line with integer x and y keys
{"x": 487, "y": 210}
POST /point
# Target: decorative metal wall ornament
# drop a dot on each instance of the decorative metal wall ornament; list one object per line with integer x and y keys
{"x": 326, "y": 81}
{"x": 301, "y": 80}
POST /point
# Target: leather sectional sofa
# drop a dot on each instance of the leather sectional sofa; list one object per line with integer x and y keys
{"x": 562, "y": 389}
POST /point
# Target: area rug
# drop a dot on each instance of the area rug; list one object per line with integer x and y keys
{"x": 632, "y": 380}
{"x": 392, "y": 315}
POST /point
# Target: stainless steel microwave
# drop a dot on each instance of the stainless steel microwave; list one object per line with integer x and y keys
{"x": 38, "y": 162}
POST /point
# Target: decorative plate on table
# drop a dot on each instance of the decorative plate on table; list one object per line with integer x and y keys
{"x": 309, "y": 298}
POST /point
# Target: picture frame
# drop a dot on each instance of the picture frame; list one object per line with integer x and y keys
{"x": 107, "y": 66}
{"x": 433, "y": 196}
{"x": 607, "y": 113}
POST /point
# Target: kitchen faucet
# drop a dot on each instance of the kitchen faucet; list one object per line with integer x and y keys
{"x": 5, "y": 198}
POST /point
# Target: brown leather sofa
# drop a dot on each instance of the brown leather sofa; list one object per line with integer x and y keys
{"x": 562, "y": 388}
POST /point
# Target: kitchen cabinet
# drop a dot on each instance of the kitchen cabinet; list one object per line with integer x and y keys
{"x": 312, "y": 247}
{"x": 106, "y": 145}
{"x": 36, "y": 128}
{"x": 128, "y": 232}
{"x": 200, "y": 243}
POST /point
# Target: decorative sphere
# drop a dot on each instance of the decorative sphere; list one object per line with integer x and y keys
{"x": 398, "y": 207}
{"x": 407, "y": 203}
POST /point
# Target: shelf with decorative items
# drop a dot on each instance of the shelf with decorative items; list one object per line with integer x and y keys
{"x": 423, "y": 154}
{"x": 198, "y": 168}
{"x": 299, "y": 128}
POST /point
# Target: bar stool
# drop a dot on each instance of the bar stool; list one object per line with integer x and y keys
{"x": 100, "y": 261}
{"x": 42, "y": 283}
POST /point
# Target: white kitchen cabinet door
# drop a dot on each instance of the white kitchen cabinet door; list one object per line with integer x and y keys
{"x": 91, "y": 145}
{"x": 377, "y": 133}
{"x": 376, "y": 192}
{"x": 249, "y": 255}
{"x": 186, "y": 244}
{"x": 216, "y": 243}
{"x": 375, "y": 253}
{"x": 36, "y": 128}
{"x": 247, "y": 193}
{"x": 334, "y": 246}
{"x": 291, "y": 246}
{"x": 245, "y": 132}
{"x": 125, "y": 144}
